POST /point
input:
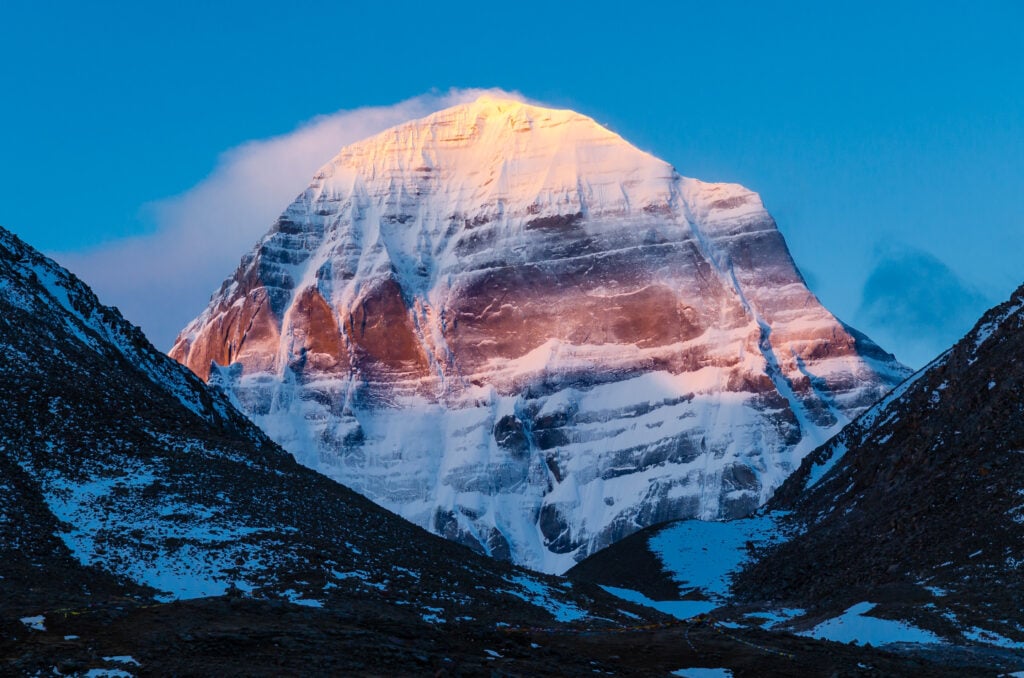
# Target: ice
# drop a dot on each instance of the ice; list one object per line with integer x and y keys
{"x": 703, "y": 673}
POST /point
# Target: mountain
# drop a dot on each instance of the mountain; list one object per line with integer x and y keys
{"x": 148, "y": 528}
{"x": 906, "y": 529}
{"x": 515, "y": 329}
{"x": 126, "y": 482}
{"x": 919, "y": 502}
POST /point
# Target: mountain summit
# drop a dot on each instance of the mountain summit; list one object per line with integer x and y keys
{"x": 512, "y": 327}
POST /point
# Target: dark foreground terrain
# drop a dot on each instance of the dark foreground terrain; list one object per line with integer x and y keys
{"x": 228, "y": 636}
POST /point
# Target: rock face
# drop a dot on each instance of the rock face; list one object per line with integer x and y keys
{"x": 510, "y": 326}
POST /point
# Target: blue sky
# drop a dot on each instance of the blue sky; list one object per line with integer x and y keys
{"x": 887, "y": 140}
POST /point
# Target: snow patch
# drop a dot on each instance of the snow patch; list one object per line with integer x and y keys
{"x": 853, "y": 626}
{"x": 980, "y": 635}
{"x": 540, "y": 594}
{"x": 705, "y": 554}
{"x": 681, "y": 609}
{"x": 35, "y": 623}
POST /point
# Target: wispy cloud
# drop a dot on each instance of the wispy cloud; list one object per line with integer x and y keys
{"x": 161, "y": 281}
{"x": 915, "y": 305}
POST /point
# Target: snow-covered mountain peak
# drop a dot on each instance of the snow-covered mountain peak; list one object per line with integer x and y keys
{"x": 511, "y": 326}
{"x": 495, "y": 156}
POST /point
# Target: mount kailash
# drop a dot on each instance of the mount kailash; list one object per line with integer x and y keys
{"x": 513, "y": 328}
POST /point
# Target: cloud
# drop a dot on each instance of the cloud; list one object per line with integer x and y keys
{"x": 916, "y": 306}
{"x": 162, "y": 280}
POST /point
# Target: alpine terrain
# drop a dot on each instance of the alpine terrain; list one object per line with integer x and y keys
{"x": 904, "y": 530}
{"x": 148, "y": 528}
{"x": 126, "y": 482}
{"x": 920, "y": 501}
{"x": 508, "y": 325}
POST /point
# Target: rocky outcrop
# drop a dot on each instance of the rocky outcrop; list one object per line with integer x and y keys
{"x": 510, "y": 326}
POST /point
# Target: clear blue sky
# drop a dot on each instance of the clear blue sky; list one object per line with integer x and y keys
{"x": 887, "y": 139}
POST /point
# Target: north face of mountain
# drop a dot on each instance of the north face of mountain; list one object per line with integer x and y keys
{"x": 515, "y": 329}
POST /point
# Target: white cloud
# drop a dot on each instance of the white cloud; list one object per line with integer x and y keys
{"x": 163, "y": 280}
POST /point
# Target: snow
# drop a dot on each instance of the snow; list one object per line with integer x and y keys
{"x": 988, "y": 328}
{"x": 705, "y": 554}
{"x": 703, "y": 673}
{"x": 681, "y": 609}
{"x": 107, "y": 673}
{"x": 820, "y": 470}
{"x": 35, "y": 623}
{"x": 433, "y": 615}
{"x": 122, "y": 659}
{"x": 184, "y": 549}
{"x": 296, "y": 598}
{"x": 540, "y": 594}
{"x": 770, "y": 619}
{"x": 855, "y": 626}
{"x": 980, "y": 635}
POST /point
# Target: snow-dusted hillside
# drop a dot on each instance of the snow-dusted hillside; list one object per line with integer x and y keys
{"x": 512, "y": 327}
{"x": 122, "y": 473}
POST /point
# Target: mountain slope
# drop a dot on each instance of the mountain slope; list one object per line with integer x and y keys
{"x": 125, "y": 475}
{"x": 905, "y": 531}
{"x": 508, "y": 325}
{"x": 921, "y": 500}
